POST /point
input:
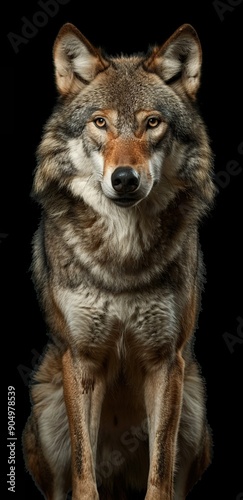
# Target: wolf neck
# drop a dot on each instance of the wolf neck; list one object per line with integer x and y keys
{"x": 122, "y": 247}
{"x": 118, "y": 233}
{"x": 118, "y": 250}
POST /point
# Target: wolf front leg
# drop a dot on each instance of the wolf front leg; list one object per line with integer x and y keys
{"x": 83, "y": 393}
{"x": 163, "y": 399}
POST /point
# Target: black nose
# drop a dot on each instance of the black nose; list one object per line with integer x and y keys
{"x": 125, "y": 180}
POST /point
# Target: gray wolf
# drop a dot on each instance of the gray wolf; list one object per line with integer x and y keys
{"x": 123, "y": 179}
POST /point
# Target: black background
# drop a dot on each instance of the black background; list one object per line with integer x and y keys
{"x": 27, "y": 97}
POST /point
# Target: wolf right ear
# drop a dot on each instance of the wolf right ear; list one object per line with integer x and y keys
{"x": 178, "y": 61}
{"x": 76, "y": 61}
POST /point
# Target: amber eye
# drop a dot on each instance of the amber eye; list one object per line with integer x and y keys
{"x": 100, "y": 122}
{"x": 153, "y": 122}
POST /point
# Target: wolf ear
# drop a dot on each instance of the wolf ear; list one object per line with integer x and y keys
{"x": 179, "y": 60}
{"x": 76, "y": 61}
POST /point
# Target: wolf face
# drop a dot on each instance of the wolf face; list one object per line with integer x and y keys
{"x": 122, "y": 126}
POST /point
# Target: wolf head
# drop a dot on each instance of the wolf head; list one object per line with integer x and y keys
{"x": 126, "y": 128}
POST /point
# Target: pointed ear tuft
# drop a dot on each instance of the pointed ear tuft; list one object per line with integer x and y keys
{"x": 179, "y": 60}
{"x": 76, "y": 61}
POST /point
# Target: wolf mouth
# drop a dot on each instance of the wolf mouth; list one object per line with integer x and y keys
{"x": 125, "y": 201}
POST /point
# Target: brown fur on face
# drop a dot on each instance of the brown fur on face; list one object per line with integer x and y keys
{"x": 123, "y": 178}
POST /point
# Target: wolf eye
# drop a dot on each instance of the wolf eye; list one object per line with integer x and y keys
{"x": 100, "y": 122}
{"x": 153, "y": 122}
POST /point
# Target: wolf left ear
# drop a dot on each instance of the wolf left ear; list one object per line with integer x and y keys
{"x": 179, "y": 60}
{"x": 76, "y": 61}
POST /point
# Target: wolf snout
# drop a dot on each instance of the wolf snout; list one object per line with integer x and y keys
{"x": 125, "y": 180}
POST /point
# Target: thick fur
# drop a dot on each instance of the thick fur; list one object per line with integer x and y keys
{"x": 124, "y": 178}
